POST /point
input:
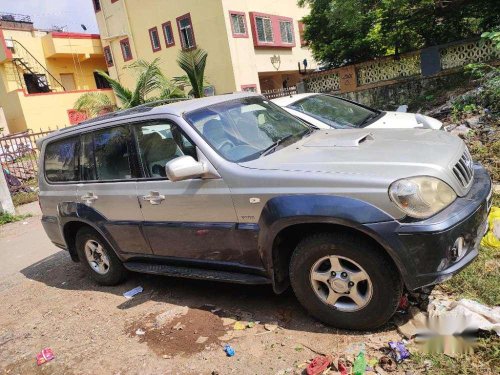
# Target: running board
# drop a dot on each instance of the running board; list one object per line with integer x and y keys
{"x": 196, "y": 273}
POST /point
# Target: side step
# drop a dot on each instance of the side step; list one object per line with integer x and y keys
{"x": 196, "y": 273}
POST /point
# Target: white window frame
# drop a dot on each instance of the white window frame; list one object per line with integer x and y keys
{"x": 241, "y": 22}
{"x": 290, "y": 23}
{"x": 263, "y": 18}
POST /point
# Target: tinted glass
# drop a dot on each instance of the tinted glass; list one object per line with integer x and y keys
{"x": 335, "y": 112}
{"x": 112, "y": 154}
{"x": 61, "y": 160}
{"x": 158, "y": 143}
{"x": 244, "y": 129}
{"x": 87, "y": 158}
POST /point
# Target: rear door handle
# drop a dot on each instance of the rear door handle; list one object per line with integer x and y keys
{"x": 89, "y": 197}
{"x": 154, "y": 197}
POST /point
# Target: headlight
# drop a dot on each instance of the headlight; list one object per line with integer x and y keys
{"x": 421, "y": 197}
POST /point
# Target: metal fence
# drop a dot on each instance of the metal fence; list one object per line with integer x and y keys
{"x": 278, "y": 93}
{"x": 19, "y": 159}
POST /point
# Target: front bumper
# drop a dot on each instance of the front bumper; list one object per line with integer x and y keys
{"x": 424, "y": 251}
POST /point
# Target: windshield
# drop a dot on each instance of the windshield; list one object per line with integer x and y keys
{"x": 335, "y": 112}
{"x": 245, "y": 129}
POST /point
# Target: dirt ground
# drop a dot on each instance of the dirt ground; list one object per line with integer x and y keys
{"x": 174, "y": 326}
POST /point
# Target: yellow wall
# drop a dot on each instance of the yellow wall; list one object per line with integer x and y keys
{"x": 232, "y": 62}
{"x": 54, "y": 46}
{"x": 209, "y": 30}
{"x": 41, "y": 111}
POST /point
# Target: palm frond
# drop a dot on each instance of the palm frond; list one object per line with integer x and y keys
{"x": 121, "y": 92}
{"x": 193, "y": 63}
{"x": 170, "y": 89}
{"x": 149, "y": 77}
{"x": 93, "y": 103}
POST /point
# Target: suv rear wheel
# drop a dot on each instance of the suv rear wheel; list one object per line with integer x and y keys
{"x": 344, "y": 281}
{"x": 98, "y": 259}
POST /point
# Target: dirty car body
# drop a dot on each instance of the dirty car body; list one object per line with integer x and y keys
{"x": 230, "y": 188}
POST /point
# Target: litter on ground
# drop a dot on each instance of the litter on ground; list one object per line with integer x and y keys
{"x": 229, "y": 350}
{"x": 131, "y": 293}
{"x": 318, "y": 365}
{"x": 46, "y": 355}
{"x": 454, "y": 317}
{"x": 398, "y": 351}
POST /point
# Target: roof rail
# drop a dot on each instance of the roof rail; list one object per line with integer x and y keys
{"x": 129, "y": 111}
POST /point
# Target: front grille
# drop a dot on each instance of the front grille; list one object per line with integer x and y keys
{"x": 463, "y": 170}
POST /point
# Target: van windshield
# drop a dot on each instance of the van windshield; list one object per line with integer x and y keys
{"x": 245, "y": 129}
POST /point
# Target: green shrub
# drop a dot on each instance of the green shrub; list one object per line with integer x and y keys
{"x": 9, "y": 218}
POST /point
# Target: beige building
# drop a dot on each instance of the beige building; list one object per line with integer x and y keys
{"x": 251, "y": 44}
{"x": 43, "y": 73}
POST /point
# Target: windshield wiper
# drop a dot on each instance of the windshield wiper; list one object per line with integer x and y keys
{"x": 273, "y": 146}
{"x": 367, "y": 119}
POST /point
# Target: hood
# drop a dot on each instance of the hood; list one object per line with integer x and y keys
{"x": 394, "y": 120}
{"x": 389, "y": 154}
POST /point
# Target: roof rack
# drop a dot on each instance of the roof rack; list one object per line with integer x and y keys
{"x": 129, "y": 111}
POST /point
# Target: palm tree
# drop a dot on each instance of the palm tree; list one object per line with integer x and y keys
{"x": 150, "y": 81}
{"x": 193, "y": 63}
{"x": 94, "y": 104}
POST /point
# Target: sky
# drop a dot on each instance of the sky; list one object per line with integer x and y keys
{"x": 46, "y": 13}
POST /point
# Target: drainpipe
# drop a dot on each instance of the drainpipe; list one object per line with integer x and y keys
{"x": 110, "y": 39}
{"x": 124, "y": 2}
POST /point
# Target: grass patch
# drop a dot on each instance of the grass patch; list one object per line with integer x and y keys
{"x": 484, "y": 360}
{"x": 496, "y": 199}
{"x": 24, "y": 197}
{"x": 480, "y": 280}
{"x": 6, "y": 218}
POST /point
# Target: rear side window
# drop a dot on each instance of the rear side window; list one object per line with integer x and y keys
{"x": 111, "y": 154}
{"x": 61, "y": 160}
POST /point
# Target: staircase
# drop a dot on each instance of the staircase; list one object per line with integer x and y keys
{"x": 29, "y": 65}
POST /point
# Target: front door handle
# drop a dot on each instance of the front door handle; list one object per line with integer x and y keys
{"x": 154, "y": 197}
{"x": 89, "y": 197}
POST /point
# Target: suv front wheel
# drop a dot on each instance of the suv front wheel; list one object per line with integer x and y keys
{"x": 345, "y": 281}
{"x": 100, "y": 261}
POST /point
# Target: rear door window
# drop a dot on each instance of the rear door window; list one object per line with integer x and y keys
{"x": 61, "y": 160}
{"x": 112, "y": 154}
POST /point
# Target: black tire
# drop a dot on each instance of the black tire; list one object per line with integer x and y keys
{"x": 115, "y": 273}
{"x": 386, "y": 283}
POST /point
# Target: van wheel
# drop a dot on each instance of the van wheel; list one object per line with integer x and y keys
{"x": 98, "y": 259}
{"x": 344, "y": 281}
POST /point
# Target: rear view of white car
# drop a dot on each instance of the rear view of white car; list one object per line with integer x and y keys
{"x": 328, "y": 111}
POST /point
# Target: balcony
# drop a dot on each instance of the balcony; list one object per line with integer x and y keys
{"x": 67, "y": 45}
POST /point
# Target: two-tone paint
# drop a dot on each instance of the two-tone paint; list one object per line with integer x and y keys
{"x": 245, "y": 218}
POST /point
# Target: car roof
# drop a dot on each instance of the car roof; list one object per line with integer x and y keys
{"x": 290, "y": 99}
{"x": 177, "y": 108}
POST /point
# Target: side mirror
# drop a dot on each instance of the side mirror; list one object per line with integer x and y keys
{"x": 184, "y": 168}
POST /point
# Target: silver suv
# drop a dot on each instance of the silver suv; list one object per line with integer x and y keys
{"x": 233, "y": 188}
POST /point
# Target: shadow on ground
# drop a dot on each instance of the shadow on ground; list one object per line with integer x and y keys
{"x": 259, "y": 302}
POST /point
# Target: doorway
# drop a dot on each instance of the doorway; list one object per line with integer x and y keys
{"x": 68, "y": 81}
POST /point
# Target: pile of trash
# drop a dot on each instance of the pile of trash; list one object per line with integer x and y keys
{"x": 361, "y": 363}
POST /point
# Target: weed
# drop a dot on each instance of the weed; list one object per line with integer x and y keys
{"x": 6, "y": 218}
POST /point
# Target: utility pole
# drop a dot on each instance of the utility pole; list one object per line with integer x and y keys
{"x": 6, "y": 204}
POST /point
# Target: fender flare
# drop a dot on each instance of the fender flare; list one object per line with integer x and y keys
{"x": 284, "y": 211}
{"x": 73, "y": 212}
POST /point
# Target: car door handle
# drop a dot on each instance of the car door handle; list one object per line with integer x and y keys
{"x": 89, "y": 197}
{"x": 154, "y": 197}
